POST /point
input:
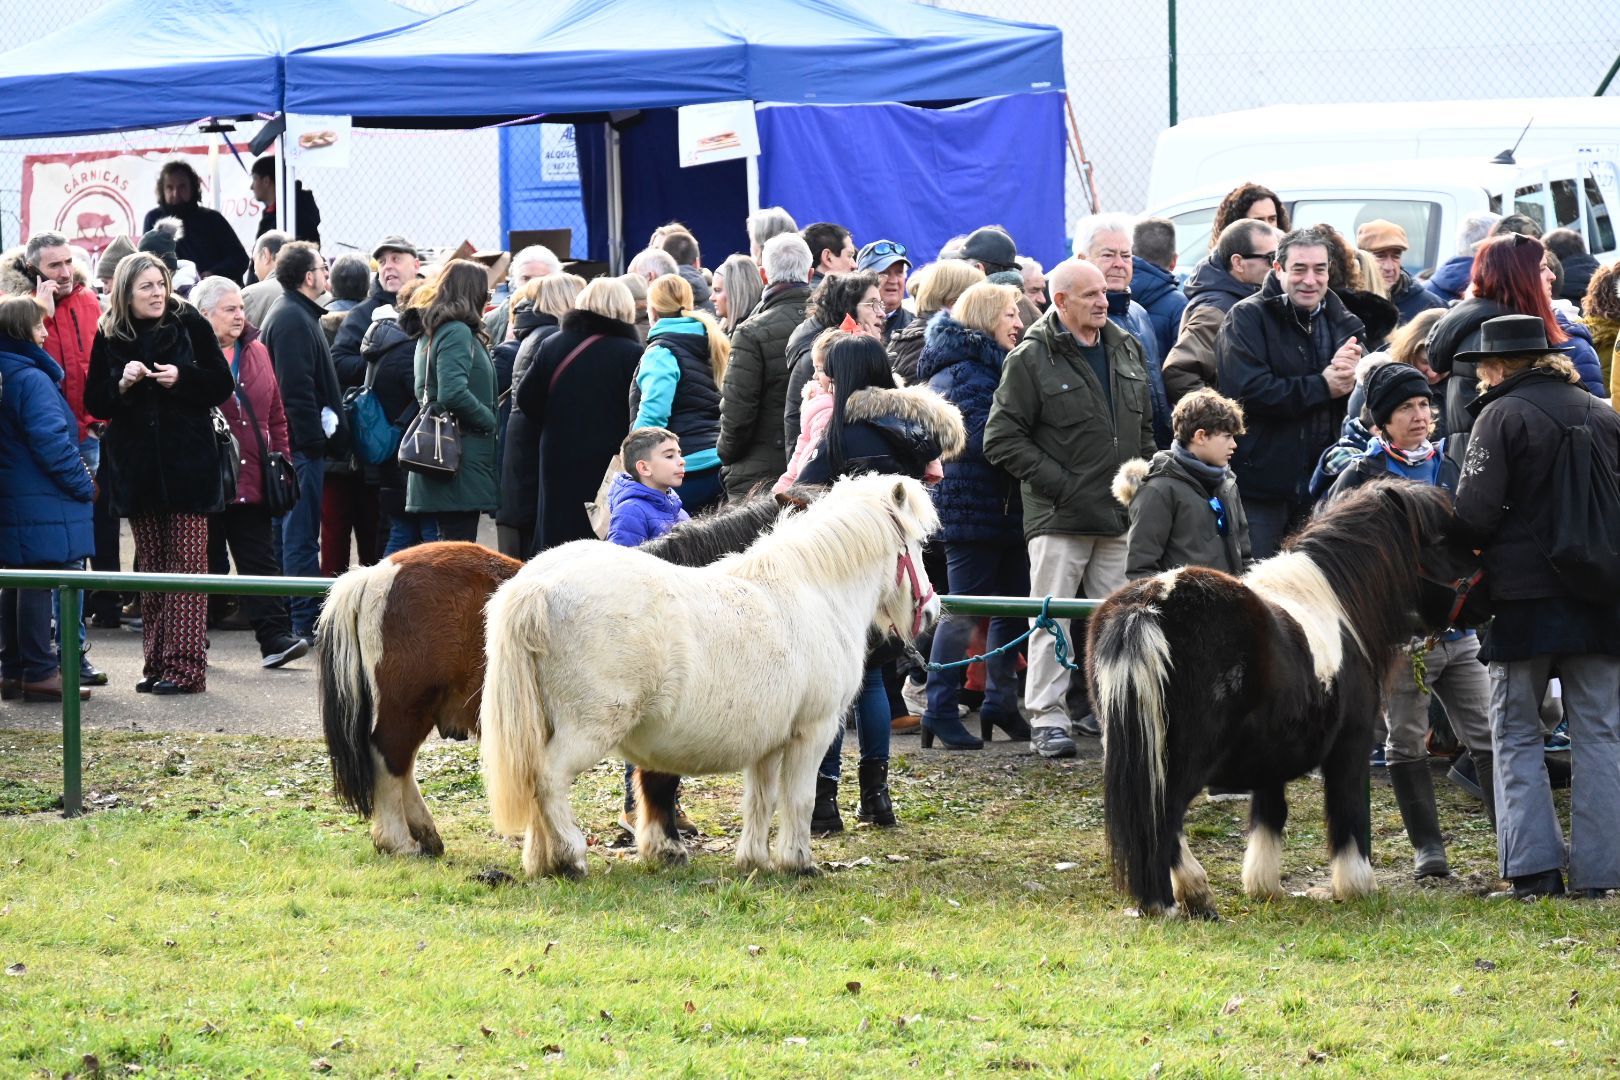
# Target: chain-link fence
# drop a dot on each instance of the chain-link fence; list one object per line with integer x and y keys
{"x": 442, "y": 187}
{"x": 1237, "y": 56}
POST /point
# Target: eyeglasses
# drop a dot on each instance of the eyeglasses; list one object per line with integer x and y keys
{"x": 1220, "y": 514}
{"x": 875, "y": 305}
{"x": 1269, "y": 256}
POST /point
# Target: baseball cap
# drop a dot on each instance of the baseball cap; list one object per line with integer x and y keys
{"x": 879, "y": 255}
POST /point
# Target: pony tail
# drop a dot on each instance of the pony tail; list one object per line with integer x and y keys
{"x": 1129, "y": 660}
{"x": 349, "y": 646}
{"x": 719, "y": 344}
{"x": 513, "y": 725}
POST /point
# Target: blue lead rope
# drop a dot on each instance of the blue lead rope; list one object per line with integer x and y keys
{"x": 1043, "y": 621}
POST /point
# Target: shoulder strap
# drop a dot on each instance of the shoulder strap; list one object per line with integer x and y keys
{"x": 569, "y": 359}
{"x": 429, "y": 391}
{"x": 253, "y": 419}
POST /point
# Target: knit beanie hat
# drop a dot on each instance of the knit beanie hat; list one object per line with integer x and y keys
{"x": 163, "y": 241}
{"x": 1388, "y": 385}
{"x": 107, "y": 265}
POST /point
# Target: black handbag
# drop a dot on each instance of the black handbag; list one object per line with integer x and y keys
{"x": 230, "y": 456}
{"x": 280, "y": 479}
{"x": 431, "y": 444}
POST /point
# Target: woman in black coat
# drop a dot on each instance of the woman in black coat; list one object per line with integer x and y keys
{"x": 156, "y": 371}
{"x": 577, "y": 394}
{"x": 389, "y": 350}
{"x": 536, "y": 314}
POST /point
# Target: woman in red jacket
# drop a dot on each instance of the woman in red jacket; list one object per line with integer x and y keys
{"x": 256, "y": 416}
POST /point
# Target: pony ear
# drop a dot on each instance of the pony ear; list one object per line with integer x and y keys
{"x": 787, "y": 500}
{"x": 899, "y": 494}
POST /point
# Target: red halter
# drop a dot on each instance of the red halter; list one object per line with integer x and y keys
{"x": 905, "y": 568}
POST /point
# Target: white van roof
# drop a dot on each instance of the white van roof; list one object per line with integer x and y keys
{"x": 1412, "y": 174}
{"x": 1255, "y": 144}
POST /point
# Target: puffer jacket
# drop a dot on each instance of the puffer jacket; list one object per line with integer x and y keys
{"x": 977, "y": 501}
{"x": 906, "y": 345}
{"x": 1450, "y": 280}
{"x": 1052, "y": 426}
{"x": 45, "y": 490}
{"x": 1160, "y": 295}
{"x": 1271, "y": 361}
{"x": 751, "y": 444}
{"x": 1132, "y": 317}
{"x": 899, "y": 431}
{"x": 1411, "y": 299}
{"x": 674, "y": 388}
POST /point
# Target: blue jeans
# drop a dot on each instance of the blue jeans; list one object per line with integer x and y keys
{"x": 978, "y": 568}
{"x": 873, "y": 724}
{"x": 301, "y": 539}
{"x": 25, "y": 631}
{"x": 408, "y": 530}
{"x": 1271, "y": 521}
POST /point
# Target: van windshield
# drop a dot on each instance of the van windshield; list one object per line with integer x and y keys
{"x": 1421, "y": 220}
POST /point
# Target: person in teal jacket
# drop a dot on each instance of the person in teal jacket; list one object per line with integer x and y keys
{"x": 454, "y": 341}
{"x": 677, "y": 385}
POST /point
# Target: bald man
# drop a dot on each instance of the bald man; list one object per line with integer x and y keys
{"x": 1072, "y": 407}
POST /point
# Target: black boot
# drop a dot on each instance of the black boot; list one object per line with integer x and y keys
{"x": 876, "y": 806}
{"x": 824, "y": 819}
{"x": 1414, "y": 794}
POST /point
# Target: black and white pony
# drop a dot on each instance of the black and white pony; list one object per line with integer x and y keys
{"x": 746, "y": 665}
{"x": 1201, "y": 678}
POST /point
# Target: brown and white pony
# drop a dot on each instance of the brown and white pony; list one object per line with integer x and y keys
{"x": 746, "y": 665}
{"x": 400, "y": 651}
{"x": 1201, "y": 678}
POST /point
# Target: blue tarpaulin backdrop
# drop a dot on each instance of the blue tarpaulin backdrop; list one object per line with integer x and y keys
{"x": 921, "y": 176}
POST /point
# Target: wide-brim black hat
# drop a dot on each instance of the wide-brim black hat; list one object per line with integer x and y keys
{"x": 1507, "y": 337}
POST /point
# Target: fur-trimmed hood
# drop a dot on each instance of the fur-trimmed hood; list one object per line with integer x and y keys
{"x": 15, "y": 279}
{"x": 1128, "y": 481}
{"x": 948, "y": 342}
{"x": 916, "y": 405}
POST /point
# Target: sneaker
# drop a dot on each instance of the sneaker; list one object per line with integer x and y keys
{"x": 1052, "y": 742}
{"x": 1557, "y": 739}
{"x": 1377, "y": 758}
{"x": 915, "y": 695}
{"x": 284, "y": 651}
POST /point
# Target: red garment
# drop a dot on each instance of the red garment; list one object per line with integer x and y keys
{"x": 257, "y": 380}
{"x": 72, "y": 330}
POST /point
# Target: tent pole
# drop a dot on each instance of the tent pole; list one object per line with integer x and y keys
{"x": 288, "y": 197}
{"x": 753, "y": 184}
{"x": 281, "y": 182}
{"x": 615, "y": 201}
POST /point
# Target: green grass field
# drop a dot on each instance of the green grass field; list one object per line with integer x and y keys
{"x": 217, "y": 915}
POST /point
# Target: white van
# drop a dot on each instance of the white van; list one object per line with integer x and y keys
{"x": 1427, "y": 197}
{"x": 1253, "y": 144}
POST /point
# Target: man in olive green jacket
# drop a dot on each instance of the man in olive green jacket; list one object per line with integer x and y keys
{"x": 1072, "y": 407}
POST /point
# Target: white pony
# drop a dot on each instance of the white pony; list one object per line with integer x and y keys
{"x": 747, "y": 664}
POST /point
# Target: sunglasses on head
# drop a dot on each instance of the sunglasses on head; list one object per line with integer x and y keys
{"x": 885, "y": 247}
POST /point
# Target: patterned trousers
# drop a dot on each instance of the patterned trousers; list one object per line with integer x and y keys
{"x": 174, "y": 626}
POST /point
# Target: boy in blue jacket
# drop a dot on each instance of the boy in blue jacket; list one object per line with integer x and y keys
{"x": 642, "y": 503}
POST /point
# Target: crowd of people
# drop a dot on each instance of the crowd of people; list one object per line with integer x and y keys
{"x": 1110, "y": 417}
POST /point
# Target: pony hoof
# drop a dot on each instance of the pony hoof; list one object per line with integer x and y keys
{"x": 569, "y": 871}
{"x": 809, "y": 870}
{"x": 431, "y": 846}
{"x": 1202, "y": 912}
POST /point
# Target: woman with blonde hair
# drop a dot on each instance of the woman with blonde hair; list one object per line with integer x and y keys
{"x": 677, "y": 385}
{"x": 575, "y": 396}
{"x": 981, "y": 517}
{"x": 454, "y": 370}
{"x": 156, "y": 370}
{"x": 940, "y": 285}
{"x": 738, "y": 286}
{"x": 537, "y": 310}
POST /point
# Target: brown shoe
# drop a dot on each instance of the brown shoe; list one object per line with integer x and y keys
{"x": 49, "y": 690}
{"x": 905, "y": 725}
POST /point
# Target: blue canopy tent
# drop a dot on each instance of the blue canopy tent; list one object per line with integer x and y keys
{"x": 624, "y": 63}
{"x": 139, "y": 64}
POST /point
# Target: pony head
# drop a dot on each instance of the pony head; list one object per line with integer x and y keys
{"x": 908, "y": 605}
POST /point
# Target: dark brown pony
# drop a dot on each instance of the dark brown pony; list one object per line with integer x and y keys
{"x": 1201, "y": 678}
{"x": 401, "y": 651}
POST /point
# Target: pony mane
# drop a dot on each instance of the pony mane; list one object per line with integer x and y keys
{"x": 855, "y": 524}
{"x": 726, "y": 531}
{"x": 1367, "y": 545}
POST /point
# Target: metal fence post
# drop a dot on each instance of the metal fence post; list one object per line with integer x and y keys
{"x": 1174, "y": 104}
{"x": 69, "y": 601}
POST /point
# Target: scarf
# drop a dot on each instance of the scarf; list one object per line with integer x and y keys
{"x": 1412, "y": 459}
{"x": 1212, "y": 475}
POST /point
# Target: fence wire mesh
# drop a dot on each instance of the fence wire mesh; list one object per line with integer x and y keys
{"x": 442, "y": 187}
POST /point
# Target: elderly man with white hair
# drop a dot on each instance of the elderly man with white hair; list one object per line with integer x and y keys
{"x": 1104, "y": 240}
{"x": 650, "y": 264}
{"x": 765, "y": 223}
{"x": 1450, "y": 280}
{"x": 255, "y": 415}
{"x": 755, "y": 392}
{"x": 534, "y": 261}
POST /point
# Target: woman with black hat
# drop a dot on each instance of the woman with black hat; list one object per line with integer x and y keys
{"x": 1399, "y": 411}
{"x": 1511, "y": 492}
